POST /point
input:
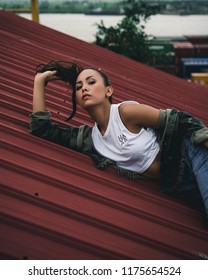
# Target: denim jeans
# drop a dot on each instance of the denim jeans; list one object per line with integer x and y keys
{"x": 195, "y": 183}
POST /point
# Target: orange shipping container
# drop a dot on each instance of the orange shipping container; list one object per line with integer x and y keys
{"x": 200, "y": 78}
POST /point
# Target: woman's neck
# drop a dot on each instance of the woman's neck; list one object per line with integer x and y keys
{"x": 101, "y": 115}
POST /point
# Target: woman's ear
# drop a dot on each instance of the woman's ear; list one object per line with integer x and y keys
{"x": 109, "y": 91}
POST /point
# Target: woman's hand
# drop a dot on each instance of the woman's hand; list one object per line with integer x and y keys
{"x": 46, "y": 76}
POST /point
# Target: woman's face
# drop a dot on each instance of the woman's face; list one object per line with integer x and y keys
{"x": 90, "y": 89}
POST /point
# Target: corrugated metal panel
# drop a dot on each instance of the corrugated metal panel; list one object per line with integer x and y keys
{"x": 54, "y": 203}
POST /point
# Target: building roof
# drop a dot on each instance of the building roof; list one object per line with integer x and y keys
{"x": 54, "y": 203}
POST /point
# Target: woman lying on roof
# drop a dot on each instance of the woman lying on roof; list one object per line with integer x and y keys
{"x": 138, "y": 140}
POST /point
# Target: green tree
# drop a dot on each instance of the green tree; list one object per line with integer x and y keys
{"x": 128, "y": 37}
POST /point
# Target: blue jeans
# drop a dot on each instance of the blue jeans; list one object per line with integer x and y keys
{"x": 195, "y": 183}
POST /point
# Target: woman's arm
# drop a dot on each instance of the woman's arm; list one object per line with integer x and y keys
{"x": 40, "y": 122}
{"x": 40, "y": 82}
{"x": 135, "y": 116}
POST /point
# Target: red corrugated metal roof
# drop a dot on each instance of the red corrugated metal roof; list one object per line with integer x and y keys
{"x": 54, "y": 203}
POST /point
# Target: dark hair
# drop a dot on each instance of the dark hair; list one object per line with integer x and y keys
{"x": 68, "y": 72}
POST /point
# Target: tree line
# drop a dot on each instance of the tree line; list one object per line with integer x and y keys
{"x": 166, "y": 7}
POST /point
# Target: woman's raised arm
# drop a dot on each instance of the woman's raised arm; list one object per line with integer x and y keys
{"x": 40, "y": 82}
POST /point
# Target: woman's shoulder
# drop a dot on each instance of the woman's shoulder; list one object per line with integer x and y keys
{"x": 126, "y": 102}
{"x": 124, "y": 105}
{"x": 139, "y": 114}
{"x": 127, "y": 106}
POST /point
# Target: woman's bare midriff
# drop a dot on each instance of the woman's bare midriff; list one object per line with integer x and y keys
{"x": 153, "y": 171}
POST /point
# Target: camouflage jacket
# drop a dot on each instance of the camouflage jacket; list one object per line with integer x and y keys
{"x": 172, "y": 129}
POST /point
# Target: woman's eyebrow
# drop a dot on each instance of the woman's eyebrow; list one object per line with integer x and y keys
{"x": 86, "y": 79}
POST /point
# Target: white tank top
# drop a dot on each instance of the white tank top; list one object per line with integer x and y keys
{"x": 130, "y": 151}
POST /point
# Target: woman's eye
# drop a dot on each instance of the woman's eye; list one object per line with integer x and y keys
{"x": 91, "y": 82}
{"x": 78, "y": 88}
